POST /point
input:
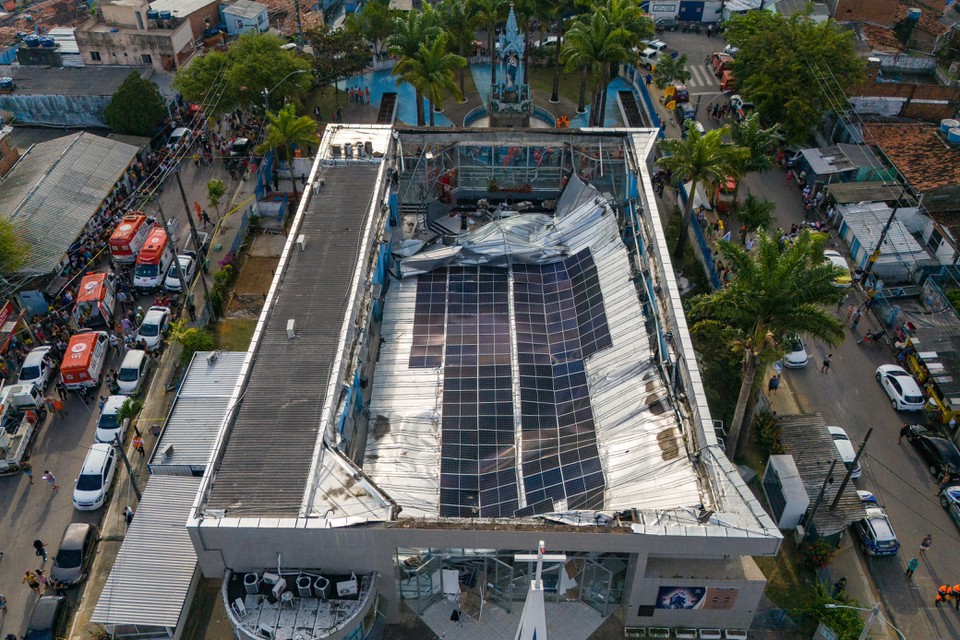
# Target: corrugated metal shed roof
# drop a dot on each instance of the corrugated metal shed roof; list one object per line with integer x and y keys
{"x": 151, "y": 576}
{"x": 267, "y": 459}
{"x": 852, "y": 192}
{"x": 198, "y": 410}
{"x": 54, "y": 190}
{"x": 245, "y": 9}
{"x": 806, "y": 438}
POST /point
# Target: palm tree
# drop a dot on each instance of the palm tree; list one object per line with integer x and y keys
{"x": 555, "y": 10}
{"x": 591, "y": 43}
{"x": 632, "y": 26}
{"x": 431, "y": 71}
{"x": 756, "y": 213}
{"x": 129, "y": 411}
{"x": 701, "y": 158}
{"x": 286, "y": 129}
{"x": 761, "y": 142}
{"x": 409, "y": 32}
{"x": 488, "y": 14}
{"x": 671, "y": 69}
{"x": 458, "y": 23}
{"x": 777, "y": 292}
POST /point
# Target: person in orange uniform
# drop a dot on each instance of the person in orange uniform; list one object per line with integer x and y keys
{"x": 942, "y": 594}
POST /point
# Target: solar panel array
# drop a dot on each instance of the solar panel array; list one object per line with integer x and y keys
{"x": 560, "y": 320}
{"x": 462, "y": 321}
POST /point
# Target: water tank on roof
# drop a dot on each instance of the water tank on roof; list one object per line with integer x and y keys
{"x": 166, "y": 15}
{"x": 6, "y": 83}
{"x": 953, "y": 136}
{"x": 31, "y": 40}
{"x": 48, "y": 42}
{"x": 913, "y": 14}
{"x": 153, "y": 14}
{"x": 947, "y": 124}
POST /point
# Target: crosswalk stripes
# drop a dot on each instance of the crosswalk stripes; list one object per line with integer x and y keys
{"x": 700, "y": 76}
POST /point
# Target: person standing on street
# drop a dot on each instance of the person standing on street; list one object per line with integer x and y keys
{"x": 128, "y": 515}
{"x": 41, "y": 551}
{"x": 904, "y": 430}
{"x": 943, "y": 592}
{"x": 138, "y": 445}
{"x": 51, "y": 480}
{"x": 912, "y": 566}
{"x": 31, "y": 581}
{"x": 825, "y": 367}
{"x": 27, "y": 470}
{"x": 925, "y": 544}
{"x": 774, "y": 384}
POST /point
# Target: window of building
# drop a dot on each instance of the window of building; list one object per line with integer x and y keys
{"x": 95, "y": 56}
{"x": 936, "y": 239}
{"x": 147, "y": 58}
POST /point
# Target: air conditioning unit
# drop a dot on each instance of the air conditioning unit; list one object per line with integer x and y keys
{"x": 302, "y": 242}
{"x": 167, "y": 451}
{"x": 347, "y": 587}
{"x": 279, "y": 588}
{"x": 291, "y": 328}
{"x": 264, "y": 632}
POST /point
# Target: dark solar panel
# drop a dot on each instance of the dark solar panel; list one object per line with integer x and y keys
{"x": 560, "y": 320}
{"x": 478, "y": 465}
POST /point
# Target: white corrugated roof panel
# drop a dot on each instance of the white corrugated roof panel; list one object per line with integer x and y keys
{"x": 198, "y": 410}
{"x": 54, "y": 190}
{"x": 151, "y": 577}
{"x": 180, "y": 8}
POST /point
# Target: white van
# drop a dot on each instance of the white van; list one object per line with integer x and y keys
{"x": 133, "y": 372}
{"x": 96, "y": 475}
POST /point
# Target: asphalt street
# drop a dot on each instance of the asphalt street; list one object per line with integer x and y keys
{"x": 850, "y": 397}
{"x": 35, "y": 512}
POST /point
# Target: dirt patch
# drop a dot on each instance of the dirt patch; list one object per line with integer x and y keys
{"x": 255, "y": 277}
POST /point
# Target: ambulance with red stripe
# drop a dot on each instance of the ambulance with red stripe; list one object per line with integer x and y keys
{"x": 153, "y": 261}
{"x": 83, "y": 361}
{"x": 129, "y": 236}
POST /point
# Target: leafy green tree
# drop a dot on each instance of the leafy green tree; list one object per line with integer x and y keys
{"x": 778, "y": 291}
{"x": 671, "y": 70}
{"x": 488, "y": 14}
{"x": 374, "y": 23}
{"x": 286, "y": 129}
{"x": 409, "y": 32}
{"x": 14, "y": 250}
{"x": 215, "y": 191}
{"x": 137, "y": 108}
{"x": 756, "y": 213}
{"x": 431, "y": 71}
{"x": 846, "y": 623}
{"x": 336, "y": 54}
{"x": 458, "y": 24}
{"x": 190, "y": 339}
{"x": 254, "y": 63}
{"x": 793, "y": 68}
{"x": 701, "y": 158}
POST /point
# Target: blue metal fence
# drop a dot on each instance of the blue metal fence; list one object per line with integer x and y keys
{"x": 701, "y": 245}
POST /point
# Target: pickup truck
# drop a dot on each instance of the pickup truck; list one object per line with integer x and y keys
{"x": 22, "y": 411}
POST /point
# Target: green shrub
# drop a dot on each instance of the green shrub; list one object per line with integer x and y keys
{"x": 766, "y": 432}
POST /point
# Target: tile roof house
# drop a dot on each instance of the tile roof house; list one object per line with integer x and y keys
{"x": 877, "y": 16}
{"x": 928, "y": 163}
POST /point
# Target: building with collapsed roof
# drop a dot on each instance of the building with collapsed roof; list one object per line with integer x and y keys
{"x": 473, "y": 344}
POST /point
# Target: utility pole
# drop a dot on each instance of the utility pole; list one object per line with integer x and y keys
{"x": 196, "y": 245}
{"x": 173, "y": 244}
{"x": 126, "y": 463}
{"x": 816, "y": 505}
{"x": 853, "y": 465}
{"x": 876, "y": 252}
{"x": 296, "y": 6}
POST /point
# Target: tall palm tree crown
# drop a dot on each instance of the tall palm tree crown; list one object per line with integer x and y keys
{"x": 776, "y": 291}
{"x": 701, "y": 158}
{"x": 286, "y": 129}
{"x": 409, "y": 32}
{"x": 488, "y": 14}
{"x": 431, "y": 71}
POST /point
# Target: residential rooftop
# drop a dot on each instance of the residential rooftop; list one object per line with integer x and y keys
{"x": 918, "y": 151}
{"x": 69, "y": 81}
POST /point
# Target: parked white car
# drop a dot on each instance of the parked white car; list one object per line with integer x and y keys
{"x": 845, "y": 447}
{"x": 189, "y": 267}
{"x": 108, "y": 426}
{"x": 133, "y": 372}
{"x": 833, "y": 257}
{"x": 901, "y": 387}
{"x": 795, "y": 354}
{"x": 96, "y": 475}
{"x": 37, "y": 368}
{"x": 153, "y": 327}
